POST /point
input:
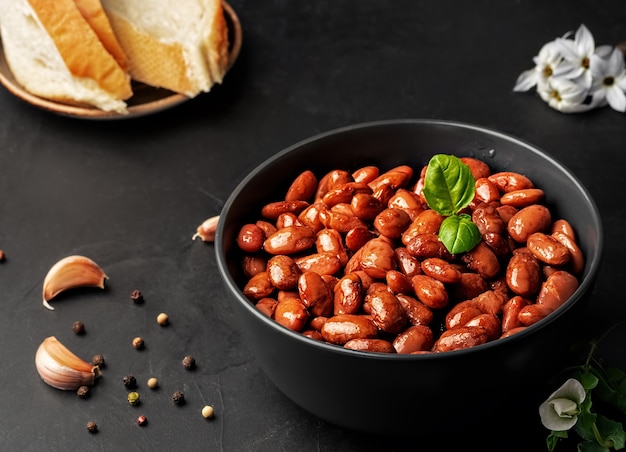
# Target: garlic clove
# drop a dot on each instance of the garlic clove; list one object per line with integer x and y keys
{"x": 206, "y": 231}
{"x": 70, "y": 272}
{"x": 62, "y": 369}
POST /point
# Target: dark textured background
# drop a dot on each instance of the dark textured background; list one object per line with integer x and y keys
{"x": 129, "y": 194}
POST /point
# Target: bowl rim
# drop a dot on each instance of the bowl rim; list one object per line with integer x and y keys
{"x": 585, "y": 285}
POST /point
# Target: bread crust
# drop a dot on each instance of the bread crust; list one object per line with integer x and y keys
{"x": 79, "y": 45}
{"x": 94, "y": 14}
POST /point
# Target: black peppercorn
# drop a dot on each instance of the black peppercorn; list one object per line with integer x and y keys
{"x": 129, "y": 381}
{"x": 136, "y": 296}
{"x": 178, "y": 398}
{"x": 98, "y": 360}
{"x": 92, "y": 427}
{"x": 79, "y": 327}
{"x": 189, "y": 362}
{"x": 83, "y": 392}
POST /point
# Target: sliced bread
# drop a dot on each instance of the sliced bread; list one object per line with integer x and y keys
{"x": 54, "y": 53}
{"x": 181, "y": 46}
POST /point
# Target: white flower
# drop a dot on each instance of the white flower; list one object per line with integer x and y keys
{"x": 564, "y": 95}
{"x": 546, "y": 65}
{"x": 609, "y": 80}
{"x": 560, "y": 412}
{"x": 577, "y": 55}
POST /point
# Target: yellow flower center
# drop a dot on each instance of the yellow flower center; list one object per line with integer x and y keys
{"x": 547, "y": 71}
{"x": 585, "y": 63}
{"x": 556, "y": 95}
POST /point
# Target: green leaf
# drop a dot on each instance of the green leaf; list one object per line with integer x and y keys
{"x": 449, "y": 185}
{"x": 612, "y": 432}
{"x": 588, "y": 380}
{"x": 459, "y": 234}
{"x": 553, "y": 439}
{"x": 612, "y": 388}
{"x": 586, "y": 419}
{"x": 591, "y": 446}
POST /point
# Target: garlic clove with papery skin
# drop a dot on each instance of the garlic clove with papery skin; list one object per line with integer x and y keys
{"x": 206, "y": 231}
{"x": 62, "y": 369}
{"x": 71, "y": 272}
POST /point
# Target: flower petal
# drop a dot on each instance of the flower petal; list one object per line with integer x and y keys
{"x": 565, "y": 407}
{"x": 584, "y": 40}
{"x": 572, "y": 389}
{"x": 567, "y": 48}
{"x": 616, "y": 98}
{"x": 616, "y": 63}
{"x": 552, "y": 421}
{"x": 526, "y": 81}
{"x": 603, "y": 51}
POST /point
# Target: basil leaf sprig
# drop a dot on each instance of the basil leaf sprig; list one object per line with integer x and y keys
{"x": 449, "y": 187}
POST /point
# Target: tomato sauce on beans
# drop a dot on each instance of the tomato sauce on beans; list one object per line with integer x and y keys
{"x": 354, "y": 259}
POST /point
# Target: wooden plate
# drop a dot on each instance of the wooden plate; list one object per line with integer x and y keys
{"x": 145, "y": 100}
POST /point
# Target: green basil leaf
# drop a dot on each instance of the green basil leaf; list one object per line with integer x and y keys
{"x": 459, "y": 234}
{"x": 449, "y": 185}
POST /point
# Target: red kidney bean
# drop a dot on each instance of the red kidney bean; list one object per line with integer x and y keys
{"x": 416, "y": 338}
{"x": 522, "y": 198}
{"x": 291, "y": 313}
{"x": 253, "y": 264}
{"x": 482, "y": 260}
{"x": 508, "y": 181}
{"x": 490, "y": 323}
{"x": 486, "y": 191}
{"x": 523, "y": 274}
{"x": 477, "y": 167}
{"x": 548, "y": 249}
{"x": 344, "y": 193}
{"x": 461, "y": 338}
{"x": 290, "y": 240}
{"x": 283, "y": 272}
{"x": 342, "y": 328}
{"x": 259, "y": 286}
{"x": 469, "y": 286}
{"x": 441, "y": 270}
{"x": 532, "y": 313}
{"x": 250, "y": 238}
{"x": 417, "y": 312}
{"x": 321, "y": 263}
{"x": 303, "y": 187}
{"x": 365, "y": 206}
{"x": 386, "y": 311}
{"x": 527, "y": 221}
{"x": 557, "y": 288}
{"x": 510, "y": 313}
{"x": 267, "y": 306}
{"x": 430, "y": 291}
{"x": 377, "y": 258}
{"x": 577, "y": 259}
{"x": 315, "y": 294}
{"x": 348, "y": 294}
{"x": 370, "y": 345}
{"x": 391, "y": 222}
{"x": 272, "y": 210}
{"x": 366, "y": 174}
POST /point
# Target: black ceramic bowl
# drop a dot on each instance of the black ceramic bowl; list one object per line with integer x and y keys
{"x": 391, "y": 393}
